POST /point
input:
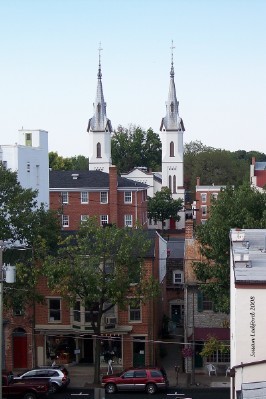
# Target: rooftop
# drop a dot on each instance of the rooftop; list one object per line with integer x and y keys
{"x": 248, "y": 249}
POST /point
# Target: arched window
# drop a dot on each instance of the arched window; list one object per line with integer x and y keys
{"x": 172, "y": 149}
{"x": 172, "y": 107}
{"x": 170, "y": 183}
{"x": 99, "y": 108}
{"x": 99, "y": 150}
{"x": 174, "y": 184}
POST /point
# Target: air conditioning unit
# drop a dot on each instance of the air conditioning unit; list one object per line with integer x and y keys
{"x": 110, "y": 320}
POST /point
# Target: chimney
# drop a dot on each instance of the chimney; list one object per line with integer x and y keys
{"x": 253, "y": 160}
{"x": 189, "y": 229}
{"x": 113, "y": 194}
{"x": 198, "y": 181}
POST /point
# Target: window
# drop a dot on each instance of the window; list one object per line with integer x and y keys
{"x": 18, "y": 310}
{"x": 54, "y": 309}
{"x": 84, "y": 218}
{"x": 4, "y": 163}
{"x": 203, "y": 197}
{"x": 172, "y": 149}
{"x": 174, "y": 184}
{"x": 65, "y": 221}
{"x": 104, "y": 219}
{"x": 28, "y": 139}
{"x": 128, "y": 220}
{"x": 99, "y": 150}
{"x": 204, "y": 210}
{"x": 170, "y": 184}
{"x": 204, "y": 303}
{"x": 84, "y": 197}
{"x": 141, "y": 374}
{"x": 104, "y": 197}
{"x": 134, "y": 311}
{"x": 128, "y": 197}
{"x": 76, "y": 312}
{"x": 177, "y": 277}
{"x": 64, "y": 196}
{"x": 220, "y": 357}
{"x": 214, "y": 196}
{"x": 28, "y": 167}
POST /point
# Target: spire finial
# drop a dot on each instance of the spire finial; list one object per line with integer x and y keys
{"x": 172, "y": 60}
{"x": 99, "y": 70}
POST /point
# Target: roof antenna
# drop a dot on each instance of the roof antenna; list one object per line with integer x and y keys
{"x": 172, "y": 73}
{"x": 99, "y": 70}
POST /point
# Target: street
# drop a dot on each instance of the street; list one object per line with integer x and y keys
{"x": 202, "y": 393}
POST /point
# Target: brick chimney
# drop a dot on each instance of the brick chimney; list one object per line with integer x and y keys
{"x": 113, "y": 194}
{"x": 198, "y": 181}
{"x": 253, "y": 160}
{"x": 189, "y": 229}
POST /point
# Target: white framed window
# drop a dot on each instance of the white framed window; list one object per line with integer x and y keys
{"x": 203, "y": 221}
{"x": 64, "y": 197}
{"x": 128, "y": 197}
{"x": 104, "y": 197}
{"x": 203, "y": 197}
{"x": 214, "y": 196}
{"x": 54, "y": 310}
{"x": 65, "y": 221}
{"x": 128, "y": 220}
{"x": 76, "y": 312}
{"x": 103, "y": 219}
{"x": 84, "y": 218}
{"x": 204, "y": 210}
{"x": 178, "y": 277}
{"x": 134, "y": 311}
{"x": 84, "y": 197}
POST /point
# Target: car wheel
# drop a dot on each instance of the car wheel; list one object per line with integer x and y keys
{"x": 29, "y": 395}
{"x": 54, "y": 387}
{"x": 151, "y": 389}
{"x": 110, "y": 388}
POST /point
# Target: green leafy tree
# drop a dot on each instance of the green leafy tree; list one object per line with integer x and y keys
{"x": 133, "y": 147}
{"x": 240, "y": 207}
{"x": 57, "y": 162}
{"x": 98, "y": 266}
{"x": 162, "y": 206}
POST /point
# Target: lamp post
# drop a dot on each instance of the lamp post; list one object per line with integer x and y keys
{"x": 9, "y": 278}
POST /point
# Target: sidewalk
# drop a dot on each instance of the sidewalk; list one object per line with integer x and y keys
{"x": 81, "y": 376}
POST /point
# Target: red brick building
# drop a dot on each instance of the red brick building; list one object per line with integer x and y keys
{"x": 258, "y": 174}
{"x": 78, "y": 195}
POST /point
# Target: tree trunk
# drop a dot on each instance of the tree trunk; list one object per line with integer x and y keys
{"x": 97, "y": 369}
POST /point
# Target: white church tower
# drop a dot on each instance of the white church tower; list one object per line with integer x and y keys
{"x": 172, "y": 130}
{"x": 99, "y": 129}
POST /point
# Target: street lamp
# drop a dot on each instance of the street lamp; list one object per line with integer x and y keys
{"x": 9, "y": 276}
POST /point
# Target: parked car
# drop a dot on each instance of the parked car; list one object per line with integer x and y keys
{"x": 149, "y": 379}
{"x": 58, "y": 375}
{"x": 30, "y": 388}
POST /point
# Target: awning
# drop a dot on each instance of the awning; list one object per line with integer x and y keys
{"x": 202, "y": 334}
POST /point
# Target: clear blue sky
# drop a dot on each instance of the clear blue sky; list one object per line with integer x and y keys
{"x": 49, "y": 61}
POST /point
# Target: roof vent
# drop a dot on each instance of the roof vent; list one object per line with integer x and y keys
{"x": 75, "y": 176}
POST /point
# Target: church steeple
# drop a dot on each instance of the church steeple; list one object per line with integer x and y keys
{"x": 99, "y": 122}
{"x": 99, "y": 129}
{"x": 172, "y": 121}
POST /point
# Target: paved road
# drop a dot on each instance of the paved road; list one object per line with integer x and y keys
{"x": 197, "y": 393}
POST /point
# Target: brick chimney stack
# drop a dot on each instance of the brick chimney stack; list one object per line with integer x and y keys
{"x": 113, "y": 194}
{"x": 198, "y": 181}
{"x": 189, "y": 229}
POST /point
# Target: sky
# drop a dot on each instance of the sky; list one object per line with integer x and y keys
{"x": 49, "y": 63}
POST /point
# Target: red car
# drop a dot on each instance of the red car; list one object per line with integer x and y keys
{"x": 149, "y": 379}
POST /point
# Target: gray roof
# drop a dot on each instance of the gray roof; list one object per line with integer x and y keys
{"x": 177, "y": 248}
{"x": 248, "y": 248}
{"x": 89, "y": 179}
{"x": 260, "y": 166}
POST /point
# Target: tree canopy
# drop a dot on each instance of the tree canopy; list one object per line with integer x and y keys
{"x": 162, "y": 206}
{"x": 133, "y": 147}
{"x": 240, "y": 207}
{"x": 98, "y": 266}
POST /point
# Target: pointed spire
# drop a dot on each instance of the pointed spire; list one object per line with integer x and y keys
{"x": 172, "y": 120}
{"x": 99, "y": 122}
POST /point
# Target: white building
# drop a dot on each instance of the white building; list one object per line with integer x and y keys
{"x": 247, "y": 318}
{"x": 30, "y": 159}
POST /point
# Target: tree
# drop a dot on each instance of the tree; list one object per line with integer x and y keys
{"x": 162, "y": 206}
{"x": 57, "y": 162}
{"x": 133, "y": 147}
{"x": 98, "y": 266}
{"x": 240, "y": 207}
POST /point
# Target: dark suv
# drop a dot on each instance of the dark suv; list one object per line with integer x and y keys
{"x": 58, "y": 376}
{"x": 149, "y": 379}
